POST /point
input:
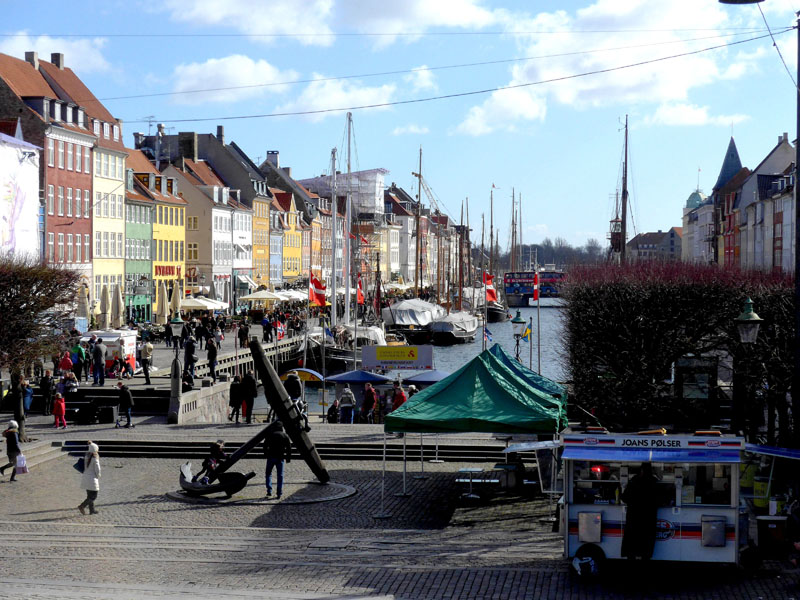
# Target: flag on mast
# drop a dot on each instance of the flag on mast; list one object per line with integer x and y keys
{"x": 359, "y": 292}
{"x": 491, "y": 293}
{"x": 316, "y": 291}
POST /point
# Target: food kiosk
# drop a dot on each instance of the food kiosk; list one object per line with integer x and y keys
{"x": 698, "y": 501}
{"x": 120, "y": 342}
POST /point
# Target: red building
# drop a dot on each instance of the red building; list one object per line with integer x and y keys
{"x": 65, "y": 186}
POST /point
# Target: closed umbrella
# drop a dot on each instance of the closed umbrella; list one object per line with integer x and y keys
{"x": 227, "y": 297}
{"x": 162, "y": 314}
{"x": 117, "y": 304}
{"x": 103, "y": 319}
{"x": 83, "y": 303}
{"x": 175, "y": 301}
{"x": 212, "y": 290}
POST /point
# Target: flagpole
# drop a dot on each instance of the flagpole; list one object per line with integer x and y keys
{"x": 538, "y": 325}
{"x": 530, "y": 343}
{"x": 483, "y": 281}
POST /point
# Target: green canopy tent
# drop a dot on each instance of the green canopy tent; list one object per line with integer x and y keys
{"x": 536, "y": 380}
{"x": 485, "y": 395}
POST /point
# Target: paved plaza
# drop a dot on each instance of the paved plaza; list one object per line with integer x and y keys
{"x": 313, "y": 543}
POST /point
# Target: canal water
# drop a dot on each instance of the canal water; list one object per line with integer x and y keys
{"x": 452, "y": 358}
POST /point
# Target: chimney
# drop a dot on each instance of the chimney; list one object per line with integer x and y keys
{"x": 187, "y": 144}
{"x": 57, "y": 58}
{"x": 783, "y": 138}
{"x": 273, "y": 157}
{"x": 221, "y": 134}
{"x": 138, "y": 140}
{"x": 33, "y": 59}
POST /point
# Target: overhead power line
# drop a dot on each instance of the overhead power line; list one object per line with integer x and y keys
{"x": 414, "y": 70}
{"x": 458, "y": 94}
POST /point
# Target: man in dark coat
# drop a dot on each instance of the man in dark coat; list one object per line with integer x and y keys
{"x": 235, "y": 401}
{"x": 47, "y": 386}
{"x": 125, "y": 403}
{"x": 99, "y": 354}
{"x": 277, "y": 447}
{"x": 250, "y": 391}
{"x": 641, "y": 498}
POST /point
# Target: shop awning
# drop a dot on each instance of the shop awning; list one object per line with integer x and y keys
{"x": 243, "y": 280}
{"x": 682, "y": 455}
{"x": 250, "y": 282}
{"x": 773, "y": 451}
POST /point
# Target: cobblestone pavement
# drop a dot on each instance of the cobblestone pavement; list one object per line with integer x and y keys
{"x": 433, "y": 545}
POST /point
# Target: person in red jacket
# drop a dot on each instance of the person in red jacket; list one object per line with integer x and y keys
{"x": 59, "y": 410}
{"x": 399, "y": 396}
{"x": 65, "y": 365}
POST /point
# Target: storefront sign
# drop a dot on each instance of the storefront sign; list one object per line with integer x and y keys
{"x": 397, "y": 357}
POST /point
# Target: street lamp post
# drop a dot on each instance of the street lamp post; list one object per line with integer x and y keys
{"x": 796, "y": 365}
{"x": 518, "y": 325}
{"x": 748, "y": 323}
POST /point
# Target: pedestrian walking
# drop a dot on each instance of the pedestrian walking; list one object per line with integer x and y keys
{"x": 250, "y": 389}
{"x": 189, "y": 356}
{"x": 146, "y": 360}
{"x": 88, "y": 347}
{"x": 398, "y": 396}
{"x": 99, "y": 362}
{"x": 347, "y": 404}
{"x": 47, "y": 388}
{"x": 125, "y": 403}
{"x": 219, "y": 336}
{"x": 78, "y": 356}
{"x": 266, "y": 327}
{"x": 235, "y": 400}
{"x": 368, "y": 404}
{"x": 90, "y": 479}
{"x": 211, "y": 356}
{"x": 12, "y": 449}
{"x": 277, "y": 448}
{"x": 27, "y": 394}
{"x": 59, "y": 411}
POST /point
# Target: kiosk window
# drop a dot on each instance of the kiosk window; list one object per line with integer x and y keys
{"x": 706, "y": 484}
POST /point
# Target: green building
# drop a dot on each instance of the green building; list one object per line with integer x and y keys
{"x": 139, "y": 291}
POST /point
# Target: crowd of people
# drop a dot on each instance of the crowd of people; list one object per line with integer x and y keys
{"x": 373, "y": 407}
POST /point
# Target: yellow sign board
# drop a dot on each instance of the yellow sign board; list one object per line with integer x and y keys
{"x": 397, "y": 357}
{"x": 396, "y": 353}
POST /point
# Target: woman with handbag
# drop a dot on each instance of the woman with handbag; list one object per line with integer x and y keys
{"x": 12, "y": 449}
{"x": 90, "y": 480}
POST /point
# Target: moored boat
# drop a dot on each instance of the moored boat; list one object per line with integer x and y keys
{"x": 410, "y": 318}
{"x": 455, "y": 328}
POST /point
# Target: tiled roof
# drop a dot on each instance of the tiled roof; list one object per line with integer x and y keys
{"x": 284, "y": 200}
{"x": 138, "y": 193}
{"x": 76, "y": 91}
{"x": 203, "y": 172}
{"x": 138, "y": 161}
{"x": 23, "y": 79}
{"x": 9, "y": 126}
{"x": 397, "y": 208}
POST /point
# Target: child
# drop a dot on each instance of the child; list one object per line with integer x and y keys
{"x": 59, "y": 410}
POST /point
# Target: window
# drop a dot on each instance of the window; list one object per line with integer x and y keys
{"x": 60, "y": 201}
{"x": 180, "y": 214}
{"x": 116, "y": 132}
{"x": 60, "y": 247}
{"x": 171, "y": 251}
{"x": 69, "y": 202}
{"x": 51, "y": 252}
{"x": 105, "y": 205}
{"x": 86, "y": 242}
{"x": 105, "y": 243}
{"x": 98, "y": 242}
{"x": 106, "y": 129}
{"x": 105, "y": 165}
{"x": 60, "y": 154}
{"x": 50, "y": 199}
{"x": 69, "y": 247}
{"x": 77, "y": 247}
{"x": 78, "y": 211}
{"x": 191, "y": 223}
{"x": 160, "y": 255}
{"x": 120, "y": 169}
{"x": 69, "y": 157}
{"x": 113, "y": 206}
{"x": 119, "y": 244}
{"x": 98, "y": 162}
{"x": 119, "y": 205}
{"x": 87, "y": 202}
{"x": 96, "y": 129}
{"x": 51, "y": 152}
{"x": 171, "y": 215}
{"x": 87, "y": 161}
{"x": 180, "y": 245}
{"x": 147, "y": 251}
{"x": 191, "y": 251}
{"x": 78, "y": 159}
{"x": 112, "y": 165}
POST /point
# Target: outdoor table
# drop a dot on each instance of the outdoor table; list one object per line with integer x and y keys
{"x": 470, "y": 471}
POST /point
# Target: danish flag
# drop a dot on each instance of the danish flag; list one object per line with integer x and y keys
{"x": 491, "y": 293}
{"x": 359, "y": 292}
{"x": 535, "y": 286}
{"x": 316, "y": 291}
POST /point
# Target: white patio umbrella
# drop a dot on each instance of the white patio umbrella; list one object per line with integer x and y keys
{"x": 117, "y": 306}
{"x": 212, "y": 290}
{"x": 162, "y": 312}
{"x": 82, "y": 310}
{"x": 103, "y": 319}
{"x": 261, "y": 295}
{"x": 175, "y": 301}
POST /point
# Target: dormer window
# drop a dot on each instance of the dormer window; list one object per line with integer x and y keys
{"x": 81, "y": 117}
{"x": 116, "y": 132}
{"x": 68, "y": 117}
{"x": 96, "y": 127}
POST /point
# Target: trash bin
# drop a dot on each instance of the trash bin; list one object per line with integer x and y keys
{"x": 772, "y": 535}
{"x": 108, "y": 413}
{"x": 761, "y": 492}
{"x": 86, "y": 414}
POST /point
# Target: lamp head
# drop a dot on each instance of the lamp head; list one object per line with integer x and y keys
{"x": 748, "y": 323}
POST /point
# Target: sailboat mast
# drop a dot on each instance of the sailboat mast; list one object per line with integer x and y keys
{"x": 418, "y": 269}
{"x": 624, "y": 223}
{"x": 513, "y": 253}
{"x": 469, "y": 250}
{"x": 519, "y": 234}
{"x": 333, "y": 242}
{"x": 348, "y": 226}
{"x": 491, "y": 231}
{"x": 483, "y": 289}
{"x": 461, "y": 261}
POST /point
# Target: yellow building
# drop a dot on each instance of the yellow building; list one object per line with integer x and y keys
{"x": 261, "y": 240}
{"x": 292, "y": 237}
{"x": 169, "y": 228}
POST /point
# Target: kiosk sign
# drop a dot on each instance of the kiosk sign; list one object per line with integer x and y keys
{"x": 397, "y": 357}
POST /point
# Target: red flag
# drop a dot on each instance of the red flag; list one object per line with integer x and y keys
{"x": 359, "y": 293}
{"x": 316, "y": 291}
{"x": 487, "y": 279}
{"x": 364, "y": 240}
{"x": 535, "y": 286}
{"x": 491, "y": 294}
{"x": 352, "y": 236}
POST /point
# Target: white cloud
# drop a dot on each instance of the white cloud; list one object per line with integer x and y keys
{"x": 411, "y": 129}
{"x": 421, "y": 78}
{"x": 259, "y": 18}
{"x": 691, "y": 115}
{"x": 81, "y": 55}
{"x": 231, "y": 71}
{"x": 338, "y": 94}
{"x": 502, "y": 111}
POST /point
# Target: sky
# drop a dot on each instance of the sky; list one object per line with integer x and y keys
{"x": 522, "y": 97}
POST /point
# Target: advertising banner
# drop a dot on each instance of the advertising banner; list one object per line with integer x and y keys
{"x": 397, "y": 357}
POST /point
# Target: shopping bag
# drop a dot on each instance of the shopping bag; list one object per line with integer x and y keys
{"x": 79, "y": 466}
{"x": 22, "y": 464}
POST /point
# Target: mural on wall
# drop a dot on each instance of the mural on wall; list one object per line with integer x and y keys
{"x": 19, "y": 197}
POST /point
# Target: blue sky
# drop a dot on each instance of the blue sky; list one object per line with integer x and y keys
{"x": 557, "y": 144}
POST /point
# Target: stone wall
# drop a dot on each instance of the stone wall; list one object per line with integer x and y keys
{"x": 206, "y": 404}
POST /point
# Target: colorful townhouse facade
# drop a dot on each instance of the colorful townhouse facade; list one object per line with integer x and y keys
{"x": 292, "y": 259}
{"x": 139, "y": 286}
